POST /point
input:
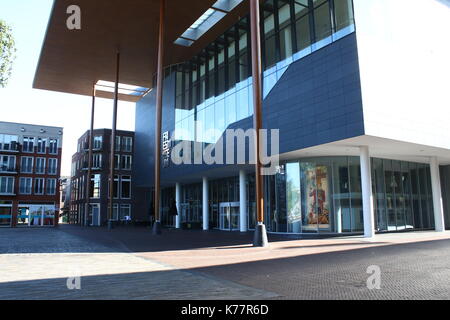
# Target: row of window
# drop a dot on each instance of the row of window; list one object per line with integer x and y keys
{"x": 122, "y": 187}
{"x": 121, "y": 212}
{"x": 123, "y": 143}
{"x": 288, "y": 27}
{"x": 41, "y": 186}
{"x": 30, "y": 144}
{"x": 214, "y": 89}
{"x": 121, "y": 162}
{"x": 8, "y": 164}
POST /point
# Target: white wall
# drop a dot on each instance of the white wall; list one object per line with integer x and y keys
{"x": 404, "y": 54}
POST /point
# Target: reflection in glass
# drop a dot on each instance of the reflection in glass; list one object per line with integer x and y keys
{"x": 294, "y": 210}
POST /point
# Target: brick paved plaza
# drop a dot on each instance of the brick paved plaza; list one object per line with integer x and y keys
{"x": 130, "y": 263}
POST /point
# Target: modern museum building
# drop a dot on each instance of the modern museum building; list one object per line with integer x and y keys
{"x": 357, "y": 91}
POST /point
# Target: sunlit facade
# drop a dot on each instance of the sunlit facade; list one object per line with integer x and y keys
{"x": 318, "y": 93}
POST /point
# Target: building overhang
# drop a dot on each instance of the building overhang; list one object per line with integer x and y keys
{"x": 72, "y": 61}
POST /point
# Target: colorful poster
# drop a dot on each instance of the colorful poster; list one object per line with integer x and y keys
{"x": 317, "y": 195}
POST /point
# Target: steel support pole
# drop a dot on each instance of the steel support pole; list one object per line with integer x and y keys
{"x": 159, "y": 97}
{"x": 260, "y": 239}
{"x": 113, "y": 144}
{"x": 89, "y": 171}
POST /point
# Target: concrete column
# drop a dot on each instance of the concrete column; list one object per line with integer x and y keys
{"x": 243, "y": 212}
{"x": 437, "y": 195}
{"x": 178, "y": 203}
{"x": 367, "y": 195}
{"x": 205, "y": 204}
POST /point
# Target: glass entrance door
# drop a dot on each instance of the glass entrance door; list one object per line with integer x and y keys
{"x": 229, "y": 216}
{"x": 94, "y": 215}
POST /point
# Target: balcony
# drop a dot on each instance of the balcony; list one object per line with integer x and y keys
{"x": 96, "y": 148}
{"x": 4, "y": 169}
{"x": 95, "y": 166}
{"x": 9, "y": 147}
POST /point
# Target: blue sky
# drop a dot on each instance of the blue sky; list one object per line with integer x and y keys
{"x": 20, "y": 103}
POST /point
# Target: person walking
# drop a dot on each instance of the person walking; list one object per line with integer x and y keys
{"x": 173, "y": 211}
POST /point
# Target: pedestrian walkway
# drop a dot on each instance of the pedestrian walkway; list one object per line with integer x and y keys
{"x": 131, "y": 263}
{"x": 40, "y": 263}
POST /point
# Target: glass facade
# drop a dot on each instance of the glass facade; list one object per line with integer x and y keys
{"x": 323, "y": 195}
{"x": 402, "y": 195}
{"x": 319, "y": 195}
{"x": 214, "y": 89}
{"x": 223, "y": 198}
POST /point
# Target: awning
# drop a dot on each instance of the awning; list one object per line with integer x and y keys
{"x": 72, "y": 61}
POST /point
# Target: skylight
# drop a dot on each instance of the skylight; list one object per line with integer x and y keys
{"x": 202, "y": 19}
{"x": 127, "y": 89}
{"x": 206, "y": 21}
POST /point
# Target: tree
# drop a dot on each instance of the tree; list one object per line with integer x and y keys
{"x": 7, "y": 53}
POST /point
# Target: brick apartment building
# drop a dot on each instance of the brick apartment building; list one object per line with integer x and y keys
{"x": 99, "y": 182}
{"x": 30, "y": 168}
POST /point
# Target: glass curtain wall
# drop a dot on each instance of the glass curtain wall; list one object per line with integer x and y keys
{"x": 191, "y": 204}
{"x": 323, "y": 195}
{"x": 320, "y": 195}
{"x": 222, "y": 192}
{"x": 402, "y": 195}
{"x": 214, "y": 89}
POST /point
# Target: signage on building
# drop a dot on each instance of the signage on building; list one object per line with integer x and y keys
{"x": 166, "y": 146}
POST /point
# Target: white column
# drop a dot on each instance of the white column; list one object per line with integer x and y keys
{"x": 178, "y": 203}
{"x": 243, "y": 214}
{"x": 205, "y": 204}
{"x": 367, "y": 196}
{"x": 437, "y": 195}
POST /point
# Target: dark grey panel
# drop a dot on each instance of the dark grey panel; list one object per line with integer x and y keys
{"x": 317, "y": 101}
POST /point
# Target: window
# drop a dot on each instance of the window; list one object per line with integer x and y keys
{"x": 8, "y": 142}
{"x": 126, "y": 187}
{"x": 97, "y": 160}
{"x": 52, "y": 166}
{"x": 7, "y": 163}
{"x": 125, "y": 211}
{"x": 53, "y": 146}
{"x": 26, "y": 165}
{"x": 95, "y": 186}
{"x": 42, "y": 145}
{"x": 117, "y": 161}
{"x": 25, "y": 185}
{"x": 98, "y": 142}
{"x": 115, "y": 213}
{"x": 40, "y": 165}
{"x": 343, "y": 11}
{"x": 211, "y": 77}
{"x": 231, "y": 54}
{"x": 126, "y": 162}
{"x": 82, "y": 187}
{"x": 51, "y": 187}
{"x": 28, "y": 144}
{"x": 322, "y": 19}
{"x": 117, "y": 144}
{"x": 270, "y": 51}
{"x": 6, "y": 185}
{"x": 244, "y": 69}
{"x": 284, "y": 20}
{"x": 127, "y": 144}
{"x": 221, "y": 70}
{"x": 39, "y": 186}
{"x": 302, "y": 24}
{"x": 116, "y": 187}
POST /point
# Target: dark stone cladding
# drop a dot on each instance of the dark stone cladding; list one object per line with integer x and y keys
{"x": 317, "y": 101}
